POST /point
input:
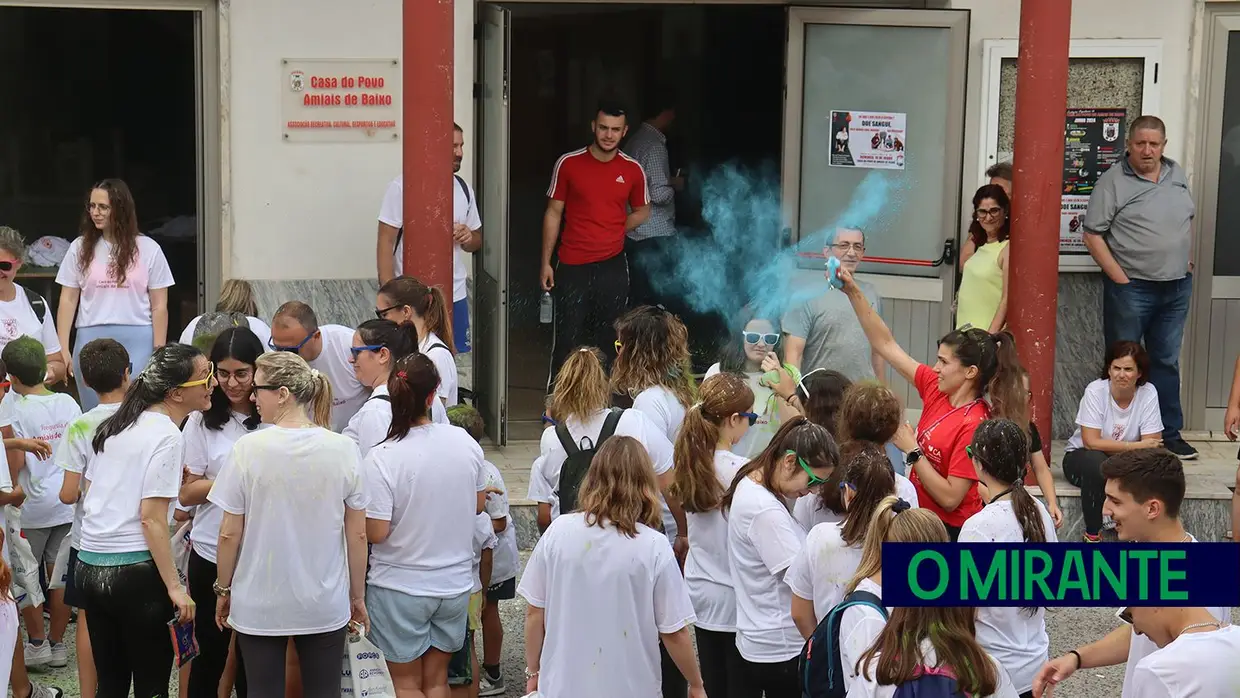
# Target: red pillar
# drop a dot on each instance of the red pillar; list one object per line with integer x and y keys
{"x": 1041, "y": 103}
{"x": 427, "y": 126}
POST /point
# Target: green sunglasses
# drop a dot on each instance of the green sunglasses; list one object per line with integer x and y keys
{"x": 813, "y": 479}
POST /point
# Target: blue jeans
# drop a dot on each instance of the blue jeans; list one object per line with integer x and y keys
{"x": 1152, "y": 312}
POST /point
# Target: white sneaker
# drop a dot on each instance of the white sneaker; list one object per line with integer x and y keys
{"x": 41, "y": 691}
{"x": 60, "y": 655}
{"x": 38, "y": 656}
{"x": 489, "y": 687}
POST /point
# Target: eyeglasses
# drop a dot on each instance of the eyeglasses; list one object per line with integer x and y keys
{"x": 7, "y": 264}
{"x": 1125, "y": 614}
{"x": 753, "y": 418}
{"x": 365, "y": 347}
{"x": 814, "y": 480}
{"x": 255, "y": 388}
{"x": 203, "y": 381}
{"x": 104, "y": 208}
{"x": 381, "y": 313}
{"x": 241, "y": 376}
{"x": 843, "y": 247}
{"x": 768, "y": 338}
{"x": 988, "y": 212}
{"x": 272, "y": 343}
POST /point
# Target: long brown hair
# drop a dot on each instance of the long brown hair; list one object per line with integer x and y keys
{"x": 620, "y": 488}
{"x": 952, "y": 632}
{"x": 999, "y": 376}
{"x": 990, "y": 191}
{"x": 654, "y": 350}
{"x": 581, "y": 387}
{"x": 696, "y": 484}
{"x": 894, "y": 521}
{"x": 427, "y": 302}
{"x": 822, "y": 393}
{"x": 809, "y": 441}
{"x": 412, "y": 381}
{"x": 124, "y": 219}
{"x": 868, "y": 471}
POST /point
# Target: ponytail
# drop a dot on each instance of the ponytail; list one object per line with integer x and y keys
{"x": 410, "y": 387}
{"x": 169, "y": 367}
{"x": 308, "y": 386}
{"x": 869, "y": 472}
{"x": 321, "y": 400}
{"x": 696, "y": 484}
{"x": 426, "y": 302}
{"x": 894, "y": 521}
{"x": 1006, "y": 389}
{"x": 438, "y": 318}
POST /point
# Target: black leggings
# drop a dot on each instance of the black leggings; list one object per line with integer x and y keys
{"x": 319, "y": 655}
{"x": 674, "y": 683}
{"x": 778, "y": 680}
{"x": 722, "y": 666}
{"x": 207, "y": 668}
{"x": 588, "y": 299}
{"x": 1083, "y": 468}
{"x": 129, "y": 610}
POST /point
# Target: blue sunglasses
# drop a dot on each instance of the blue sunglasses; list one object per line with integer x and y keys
{"x": 272, "y": 343}
{"x": 365, "y": 347}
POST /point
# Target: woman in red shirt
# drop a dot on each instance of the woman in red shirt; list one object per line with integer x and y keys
{"x": 975, "y": 376}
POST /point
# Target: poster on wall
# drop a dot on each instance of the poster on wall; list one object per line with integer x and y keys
{"x": 340, "y": 101}
{"x": 1093, "y": 141}
{"x": 867, "y": 139}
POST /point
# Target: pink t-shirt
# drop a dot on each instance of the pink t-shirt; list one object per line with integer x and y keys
{"x": 103, "y": 301}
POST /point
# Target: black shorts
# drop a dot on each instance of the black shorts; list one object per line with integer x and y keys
{"x": 73, "y": 595}
{"x": 504, "y": 591}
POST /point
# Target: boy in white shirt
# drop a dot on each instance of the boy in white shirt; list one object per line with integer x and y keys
{"x": 463, "y": 668}
{"x": 39, "y": 413}
{"x": 1189, "y": 639}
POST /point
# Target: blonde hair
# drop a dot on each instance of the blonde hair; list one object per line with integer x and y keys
{"x": 308, "y": 386}
{"x": 237, "y": 296}
{"x": 893, "y": 523}
{"x": 581, "y": 386}
{"x": 619, "y": 488}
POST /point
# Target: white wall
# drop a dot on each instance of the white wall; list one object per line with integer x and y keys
{"x": 307, "y": 211}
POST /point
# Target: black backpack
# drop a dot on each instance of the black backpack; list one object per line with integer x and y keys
{"x": 579, "y": 458}
{"x": 37, "y": 304}
{"x": 468, "y": 200}
{"x": 822, "y": 670}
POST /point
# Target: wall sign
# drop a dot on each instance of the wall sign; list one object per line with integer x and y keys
{"x": 1093, "y": 141}
{"x": 340, "y": 100}
{"x": 874, "y": 140}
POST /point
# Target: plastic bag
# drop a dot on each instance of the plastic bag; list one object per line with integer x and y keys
{"x": 181, "y": 547}
{"x": 365, "y": 671}
{"x": 26, "y": 588}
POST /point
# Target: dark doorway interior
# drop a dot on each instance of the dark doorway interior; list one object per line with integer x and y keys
{"x": 91, "y": 94}
{"x": 726, "y": 67}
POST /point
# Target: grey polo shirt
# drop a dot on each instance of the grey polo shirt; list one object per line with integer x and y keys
{"x": 1147, "y": 225}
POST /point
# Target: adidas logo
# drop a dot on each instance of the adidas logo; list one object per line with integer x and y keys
{"x": 620, "y": 179}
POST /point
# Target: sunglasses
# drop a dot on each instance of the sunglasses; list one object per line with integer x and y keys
{"x": 753, "y": 418}
{"x": 618, "y": 345}
{"x": 272, "y": 343}
{"x": 1124, "y": 614}
{"x": 255, "y": 388}
{"x": 356, "y": 351}
{"x": 7, "y": 265}
{"x": 970, "y": 452}
{"x": 801, "y": 382}
{"x": 203, "y": 381}
{"x": 814, "y": 480}
{"x": 768, "y": 338}
{"x": 381, "y": 313}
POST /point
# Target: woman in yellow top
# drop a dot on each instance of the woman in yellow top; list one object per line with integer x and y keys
{"x": 983, "y": 296}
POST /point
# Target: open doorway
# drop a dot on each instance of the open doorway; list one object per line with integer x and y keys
{"x": 91, "y": 94}
{"x": 725, "y": 66}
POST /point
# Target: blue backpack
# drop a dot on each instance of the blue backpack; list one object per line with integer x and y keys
{"x": 931, "y": 682}
{"x": 822, "y": 670}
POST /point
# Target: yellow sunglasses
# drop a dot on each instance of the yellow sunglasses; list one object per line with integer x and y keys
{"x": 203, "y": 381}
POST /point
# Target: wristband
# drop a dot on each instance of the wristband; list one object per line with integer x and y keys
{"x": 1079, "y": 661}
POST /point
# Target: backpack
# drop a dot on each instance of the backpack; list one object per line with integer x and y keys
{"x": 579, "y": 458}
{"x": 821, "y": 668}
{"x": 931, "y": 682}
{"x": 468, "y": 200}
{"x": 37, "y": 304}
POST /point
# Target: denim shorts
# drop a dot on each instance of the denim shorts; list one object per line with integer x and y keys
{"x": 406, "y": 626}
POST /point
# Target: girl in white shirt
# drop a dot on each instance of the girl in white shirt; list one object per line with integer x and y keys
{"x": 120, "y": 277}
{"x": 405, "y": 299}
{"x": 378, "y": 345}
{"x": 8, "y": 617}
{"x": 763, "y": 540}
{"x": 236, "y": 296}
{"x": 604, "y": 590}
{"x": 209, "y": 438}
{"x": 291, "y": 492}
{"x": 426, "y": 485}
{"x": 755, "y": 340}
{"x": 1014, "y": 636}
{"x": 705, "y": 467}
{"x": 832, "y": 550}
{"x": 125, "y": 571}
{"x": 22, "y": 311}
{"x": 1118, "y": 413}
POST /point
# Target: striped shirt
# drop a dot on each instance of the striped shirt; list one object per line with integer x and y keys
{"x": 649, "y": 147}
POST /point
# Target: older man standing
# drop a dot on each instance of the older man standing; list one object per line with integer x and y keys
{"x": 1139, "y": 230}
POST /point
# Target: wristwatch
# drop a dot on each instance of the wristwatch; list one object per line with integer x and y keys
{"x": 221, "y": 591}
{"x": 912, "y": 457}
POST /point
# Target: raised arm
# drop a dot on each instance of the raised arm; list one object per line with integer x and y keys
{"x": 876, "y": 331}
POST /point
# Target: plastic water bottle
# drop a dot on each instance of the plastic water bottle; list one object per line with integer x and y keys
{"x": 546, "y": 308}
{"x": 833, "y": 276}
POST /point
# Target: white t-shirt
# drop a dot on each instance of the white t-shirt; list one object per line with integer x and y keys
{"x": 261, "y": 329}
{"x": 76, "y": 453}
{"x": 765, "y": 405}
{"x": 1141, "y": 646}
{"x": 606, "y": 598}
{"x": 348, "y": 393}
{"x": 102, "y": 302}
{"x": 809, "y": 511}
{"x": 860, "y": 626}
{"x": 1010, "y": 634}
{"x": 426, "y": 486}
{"x": 17, "y": 318}
{"x": 464, "y": 210}
{"x": 861, "y": 688}
{"x": 369, "y": 426}
{"x": 142, "y": 462}
{"x": 545, "y": 475}
{"x": 707, "y": 570}
{"x": 663, "y": 410}
{"x": 292, "y": 486}
{"x": 445, "y": 364}
{"x": 763, "y": 540}
{"x": 506, "y": 559}
{"x": 206, "y": 452}
{"x": 484, "y": 539}
{"x": 1194, "y": 665}
{"x": 824, "y": 567}
{"x": 1099, "y": 411}
{"x": 45, "y": 417}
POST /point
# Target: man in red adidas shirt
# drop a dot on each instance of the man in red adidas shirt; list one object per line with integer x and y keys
{"x": 599, "y": 193}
